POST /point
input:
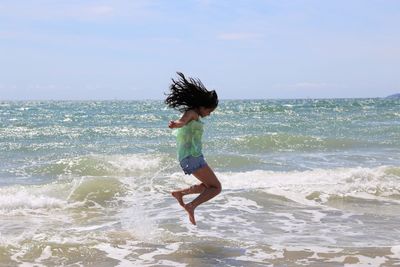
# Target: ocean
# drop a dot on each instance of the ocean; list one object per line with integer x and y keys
{"x": 313, "y": 182}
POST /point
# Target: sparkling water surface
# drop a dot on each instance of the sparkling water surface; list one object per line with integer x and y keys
{"x": 305, "y": 182}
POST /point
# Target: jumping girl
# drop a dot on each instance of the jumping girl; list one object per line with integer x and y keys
{"x": 190, "y": 97}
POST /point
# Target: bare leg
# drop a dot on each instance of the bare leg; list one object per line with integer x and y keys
{"x": 194, "y": 189}
{"x": 213, "y": 188}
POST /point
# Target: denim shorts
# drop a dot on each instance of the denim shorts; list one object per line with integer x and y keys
{"x": 191, "y": 164}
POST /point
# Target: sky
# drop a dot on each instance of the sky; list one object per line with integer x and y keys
{"x": 244, "y": 49}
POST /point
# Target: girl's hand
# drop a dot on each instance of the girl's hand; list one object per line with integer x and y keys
{"x": 173, "y": 124}
{"x": 185, "y": 119}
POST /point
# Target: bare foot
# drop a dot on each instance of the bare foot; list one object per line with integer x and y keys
{"x": 178, "y": 195}
{"x": 190, "y": 210}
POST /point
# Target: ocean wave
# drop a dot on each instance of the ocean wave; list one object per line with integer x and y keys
{"x": 97, "y": 190}
{"x": 318, "y": 186}
{"x": 100, "y": 186}
{"x": 293, "y": 142}
{"x": 104, "y": 165}
{"x": 20, "y": 198}
{"x": 25, "y": 199}
{"x": 63, "y": 133}
{"x": 77, "y": 194}
{"x": 88, "y": 218}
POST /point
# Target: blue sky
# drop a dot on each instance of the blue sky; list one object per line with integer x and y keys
{"x": 120, "y": 49}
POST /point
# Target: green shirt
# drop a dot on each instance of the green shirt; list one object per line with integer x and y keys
{"x": 188, "y": 139}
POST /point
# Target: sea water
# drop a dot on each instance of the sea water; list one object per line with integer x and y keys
{"x": 310, "y": 182}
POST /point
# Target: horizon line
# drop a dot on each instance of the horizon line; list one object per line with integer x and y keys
{"x": 157, "y": 99}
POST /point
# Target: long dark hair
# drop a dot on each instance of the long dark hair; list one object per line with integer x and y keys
{"x": 190, "y": 93}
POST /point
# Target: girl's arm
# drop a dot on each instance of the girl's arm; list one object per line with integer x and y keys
{"x": 185, "y": 119}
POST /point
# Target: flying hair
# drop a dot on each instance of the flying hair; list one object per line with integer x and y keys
{"x": 189, "y": 93}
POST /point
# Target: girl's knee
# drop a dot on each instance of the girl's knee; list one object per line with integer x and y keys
{"x": 218, "y": 187}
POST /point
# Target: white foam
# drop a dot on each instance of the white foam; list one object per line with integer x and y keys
{"x": 243, "y": 204}
{"x": 117, "y": 253}
{"x": 362, "y": 261}
{"x": 121, "y": 253}
{"x": 135, "y": 162}
{"x": 299, "y": 186}
{"x": 111, "y": 165}
{"x": 396, "y": 252}
{"x": 316, "y": 249}
{"x": 168, "y": 249}
{"x": 94, "y": 227}
{"x": 316, "y": 215}
{"x": 10, "y": 199}
{"x": 260, "y": 256}
{"x": 136, "y": 220}
{"x": 368, "y": 261}
{"x": 46, "y": 254}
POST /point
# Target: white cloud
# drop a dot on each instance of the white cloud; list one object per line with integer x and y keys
{"x": 307, "y": 86}
{"x": 204, "y": 2}
{"x": 102, "y": 10}
{"x": 89, "y": 12}
{"x": 75, "y": 10}
{"x": 235, "y": 36}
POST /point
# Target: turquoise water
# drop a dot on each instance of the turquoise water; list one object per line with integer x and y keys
{"x": 303, "y": 181}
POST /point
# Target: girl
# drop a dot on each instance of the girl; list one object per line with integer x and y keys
{"x": 191, "y": 98}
